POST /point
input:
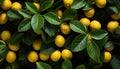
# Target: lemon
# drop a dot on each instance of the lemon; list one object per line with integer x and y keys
{"x": 66, "y": 54}
{"x": 6, "y": 4}
{"x": 11, "y": 57}
{"x": 107, "y": 57}
{"x": 100, "y": 3}
{"x": 65, "y": 28}
{"x": 55, "y": 56}
{"x": 16, "y": 6}
{"x": 5, "y": 35}
{"x": 2, "y": 41}
{"x": 95, "y": 25}
{"x": 59, "y": 41}
{"x": 115, "y": 16}
{"x": 3, "y": 18}
{"x": 59, "y": 13}
{"x": 109, "y": 46}
{"x": 67, "y": 3}
{"x": 37, "y": 44}
{"x": 85, "y": 21}
{"x": 112, "y": 25}
{"x": 89, "y": 13}
{"x": 14, "y": 47}
{"x": 32, "y": 56}
{"x": 37, "y": 5}
{"x": 43, "y": 56}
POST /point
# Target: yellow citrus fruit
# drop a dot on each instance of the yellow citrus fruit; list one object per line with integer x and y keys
{"x": 89, "y": 13}
{"x": 37, "y": 5}
{"x": 115, "y": 16}
{"x": 14, "y": 47}
{"x": 66, "y": 54}
{"x": 16, "y": 6}
{"x": 32, "y": 56}
{"x": 67, "y": 3}
{"x": 37, "y": 44}
{"x": 59, "y": 13}
{"x": 95, "y": 25}
{"x": 11, "y": 57}
{"x": 107, "y": 57}
{"x": 5, "y": 35}
{"x": 43, "y": 57}
{"x": 55, "y": 56}
{"x": 112, "y": 25}
{"x": 3, "y": 18}
{"x": 59, "y": 41}
{"x": 100, "y": 3}
{"x": 85, "y": 21}
{"x": 2, "y": 41}
{"x": 65, "y": 28}
{"x": 6, "y": 4}
{"x": 109, "y": 46}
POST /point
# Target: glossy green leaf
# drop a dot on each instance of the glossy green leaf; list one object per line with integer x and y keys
{"x": 89, "y": 5}
{"x": 25, "y": 13}
{"x": 52, "y": 18}
{"x": 24, "y": 25}
{"x": 93, "y": 51}
{"x": 98, "y": 34}
{"x": 82, "y": 66}
{"x": 69, "y": 14}
{"x": 42, "y": 65}
{"x": 77, "y": 4}
{"x": 79, "y": 43}
{"x": 37, "y": 22}
{"x": 67, "y": 64}
{"x": 46, "y": 4}
{"x": 31, "y": 7}
{"x": 78, "y": 27}
{"x": 115, "y": 63}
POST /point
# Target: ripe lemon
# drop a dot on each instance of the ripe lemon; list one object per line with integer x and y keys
{"x": 67, "y": 3}
{"x": 59, "y": 41}
{"x": 10, "y": 57}
{"x": 2, "y": 41}
{"x": 109, "y": 46}
{"x": 115, "y": 16}
{"x": 37, "y": 5}
{"x": 65, "y": 28}
{"x": 37, "y": 44}
{"x": 107, "y": 57}
{"x": 16, "y": 6}
{"x": 5, "y": 35}
{"x": 100, "y": 3}
{"x": 66, "y": 54}
{"x": 14, "y": 47}
{"x": 55, "y": 56}
{"x": 6, "y": 4}
{"x": 43, "y": 57}
{"x": 95, "y": 25}
{"x": 89, "y": 13}
{"x": 112, "y": 25}
{"x": 32, "y": 56}
{"x": 85, "y": 21}
{"x": 59, "y": 13}
{"x": 3, "y": 18}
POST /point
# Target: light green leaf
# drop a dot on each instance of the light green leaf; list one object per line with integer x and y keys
{"x": 37, "y": 22}
{"x": 52, "y": 18}
{"x": 79, "y": 43}
{"x": 77, "y": 4}
{"x": 82, "y": 66}
{"x": 67, "y": 64}
{"x": 42, "y": 65}
{"x": 89, "y": 5}
{"x": 78, "y": 27}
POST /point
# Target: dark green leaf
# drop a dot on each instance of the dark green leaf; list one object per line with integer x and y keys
{"x": 37, "y": 22}
{"x": 52, "y": 18}
{"x": 79, "y": 43}
{"x": 42, "y": 65}
{"x": 93, "y": 51}
{"x": 46, "y": 4}
{"x": 89, "y": 5}
{"x": 25, "y": 13}
{"x": 67, "y": 64}
{"x": 98, "y": 34}
{"x": 78, "y": 27}
{"x": 31, "y": 7}
{"x": 24, "y": 26}
{"x": 1, "y": 2}
{"x": 82, "y": 66}
{"x": 77, "y": 4}
{"x": 115, "y": 63}
{"x": 69, "y": 14}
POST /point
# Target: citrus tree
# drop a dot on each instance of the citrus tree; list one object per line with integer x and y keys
{"x": 59, "y": 34}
